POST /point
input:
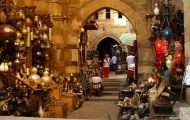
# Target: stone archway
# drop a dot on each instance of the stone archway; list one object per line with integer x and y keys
{"x": 129, "y": 9}
{"x": 98, "y": 38}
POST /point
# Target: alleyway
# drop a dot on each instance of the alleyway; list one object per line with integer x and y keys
{"x": 99, "y": 109}
{"x": 102, "y": 109}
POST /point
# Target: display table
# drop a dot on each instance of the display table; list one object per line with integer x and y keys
{"x": 184, "y": 113}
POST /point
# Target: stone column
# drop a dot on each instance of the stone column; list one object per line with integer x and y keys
{"x": 187, "y": 40}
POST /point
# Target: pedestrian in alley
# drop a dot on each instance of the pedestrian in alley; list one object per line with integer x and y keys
{"x": 114, "y": 61}
{"x": 130, "y": 60}
{"x": 106, "y": 66}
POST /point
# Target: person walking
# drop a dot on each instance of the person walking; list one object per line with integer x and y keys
{"x": 130, "y": 60}
{"x": 106, "y": 66}
{"x": 131, "y": 68}
{"x": 114, "y": 62}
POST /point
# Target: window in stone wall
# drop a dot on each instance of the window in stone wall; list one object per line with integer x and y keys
{"x": 96, "y": 15}
{"x": 107, "y": 13}
{"x": 119, "y": 15}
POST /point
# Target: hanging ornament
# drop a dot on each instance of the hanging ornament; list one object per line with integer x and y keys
{"x": 168, "y": 63}
{"x": 178, "y": 57}
{"x": 172, "y": 45}
{"x": 167, "y": 31}
{"x": 157, "y": 63}
{"x": 34, "y": 78}
{"x": 46, "y": 79}
{"x": 178, "y": 46}
{"x": 165, "y": 47}
{"x": 158, "y": 45}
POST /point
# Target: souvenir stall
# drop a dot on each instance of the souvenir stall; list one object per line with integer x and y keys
{"x": 156, "y": 95}
{"x": 28, "y": 85}
{"x": 168, "y": 40}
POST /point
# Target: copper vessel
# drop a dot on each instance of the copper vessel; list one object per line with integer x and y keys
{"x": 7, "y": 33}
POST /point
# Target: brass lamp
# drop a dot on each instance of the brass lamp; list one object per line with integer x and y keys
{"x": 4, "y": 66}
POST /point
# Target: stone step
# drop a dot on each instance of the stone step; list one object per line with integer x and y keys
{"x": 110, "y": 93}
{"x": 113, "y": 88}
{"x": 114, "y": 79}
{"x": 104, "y": 98}
{"x": 113, "y": 83}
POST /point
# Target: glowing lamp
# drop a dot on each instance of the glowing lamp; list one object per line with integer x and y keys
{"x": 156, "y": 10}
{"x": 178, "y": 46}
{"x": 178, "y": 57}
{"x": 168, "y": 63}
{"x": 167, "y": 31}
{"x": 150, "y": 79}
{"x": 18, "y": 42}
{"x": 4, "y": 67}
{"x": 166, "y": 74}
{"x": 165, "y": 47}
{"x": 158, "y": 45}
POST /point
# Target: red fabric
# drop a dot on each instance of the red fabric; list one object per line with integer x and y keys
{"x": 130, "y": 73}
{"x": 106, "y": 72}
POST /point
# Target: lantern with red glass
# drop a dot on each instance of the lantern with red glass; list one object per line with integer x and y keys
{"x": 165, "y": 47}
{"x": 158, "y": 45}
{"x": 178, "y": 46}
{"x": 157, "y": 63}
{"x": 159, "y": 53}
{"x": 178, "y": 56}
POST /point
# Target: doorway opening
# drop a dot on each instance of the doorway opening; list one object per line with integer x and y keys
{"x": 105, "y": 47}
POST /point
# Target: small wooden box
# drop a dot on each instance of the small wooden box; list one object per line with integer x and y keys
{"x": 60, "y": 110}
{"x": 57, "y": 93}
{"x": 70, "y": 101}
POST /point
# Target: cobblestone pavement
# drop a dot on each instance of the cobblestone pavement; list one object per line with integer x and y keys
{"x": 95, "y": 110}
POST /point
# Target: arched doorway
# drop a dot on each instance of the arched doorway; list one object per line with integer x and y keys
{"x": 105, "y": 47}
{"x": 128, "y": 9}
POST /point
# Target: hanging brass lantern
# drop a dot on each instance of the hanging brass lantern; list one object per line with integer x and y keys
{"x": 34, "y": 78}
{"x": 7, "y": 33}
{"x": 45, "y": 27}
{"x": 17, "y": 64}
{"x": 18, "y": 43}
{"x": 28, "y": 21}
{"x": 46, "y": 80}
{"x": 18, "y": 35}
{"x": 18, "y": 24}
{"x": 24, "y": 30}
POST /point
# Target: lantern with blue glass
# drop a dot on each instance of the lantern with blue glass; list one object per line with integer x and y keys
{"x": 167, "y": 32}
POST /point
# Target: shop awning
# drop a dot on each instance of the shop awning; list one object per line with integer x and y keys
{"x": 128, "y": 38}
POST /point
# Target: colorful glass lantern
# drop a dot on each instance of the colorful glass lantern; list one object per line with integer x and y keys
{"x": 158, "y": 45}
{"x": 178, "y": 46}
{"x": 157, "y": 63}
{"x": 167, "y": 31}
{"x": 178, "y": 56}
{"x": 172, "y": 45}
{"x": 165, "y": 47}
{"x": 168, "y": 63}
{"x": 160, "y": 55}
